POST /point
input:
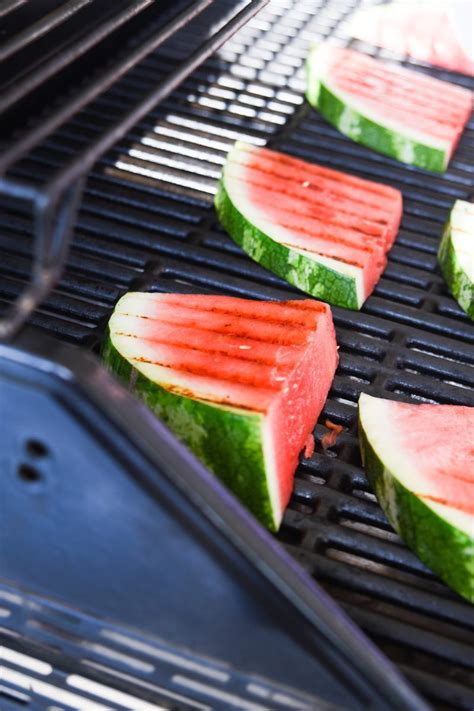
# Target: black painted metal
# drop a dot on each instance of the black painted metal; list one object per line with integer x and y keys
{"x": 140, "y": 540}
{"x": 59, "y": 194}
{"x": 147, "y": 222}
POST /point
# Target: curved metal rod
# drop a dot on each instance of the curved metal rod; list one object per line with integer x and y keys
{"x": 53, "y": 222}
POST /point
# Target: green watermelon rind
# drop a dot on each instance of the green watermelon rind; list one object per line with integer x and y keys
{"x": 442, "y": 547}
{"x": 229, "y": 441}
{"x": 312, "y": 277}
{"x": 459, "y": 283}
{"x": 366, "y": 131}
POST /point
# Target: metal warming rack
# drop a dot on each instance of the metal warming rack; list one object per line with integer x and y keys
{"x": 54, "y": 201}
{"x": 205, "y": 578}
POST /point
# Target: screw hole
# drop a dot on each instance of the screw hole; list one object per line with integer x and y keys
{"x": 37, "y": 449}
{"x": 28, "y": 473}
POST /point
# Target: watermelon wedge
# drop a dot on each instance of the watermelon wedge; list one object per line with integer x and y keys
{"x": 420, "y": 462}
{"x": 456, "y": 255}
{"x": 323, "y": 231}
{"x": 241, "y": 382}
{"x": 398, "y": 112}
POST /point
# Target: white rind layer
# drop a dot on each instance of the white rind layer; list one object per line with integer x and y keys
{"x": 462, "y": 235}
{"x": 269, "y": 450}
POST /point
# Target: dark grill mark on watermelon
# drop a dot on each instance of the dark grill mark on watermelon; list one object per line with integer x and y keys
{"x": 388, "y": 86}
{"x": 318, "y": 209}
{"x": 393, "y": 108}
{"x": 292, "y": 216}
{"x": 216, "y": 373}
{"x": 327, "y": 174}
{"x": 286, "y": 335}
{"x": 353, "y": 262}
{"x": 466, "y": 506}
{"x": 205, "y": 339}
{"x": 317, "y": 183}
{"x": 186, "y": 392}
{"x": 348, "y": 238}
{"x": 398, "y": 96}
{"x": 427, "y": 87}
{"x": 315, "y": 196}
{"x": 289, "y": 354}
{"x": 278, "y": 315}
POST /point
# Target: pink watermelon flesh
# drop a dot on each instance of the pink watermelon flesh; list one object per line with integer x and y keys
{"x": 316, "y": 184}
{"x": 412, "y": 29}
{"x": 276, "y": 358}
{"x": 420, "y": 103}
{"x": 324, "y": 212}
{"x": 317, "y": 207}
{"x": 449, "y": 477}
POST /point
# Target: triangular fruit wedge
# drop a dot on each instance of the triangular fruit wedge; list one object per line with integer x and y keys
{"x": 456, "y": 255}
{"x": 396, "y": 111}
{"x": 324, "y": 231}
{"x": 420, "y": 461}
{"x": 241, "y": 382}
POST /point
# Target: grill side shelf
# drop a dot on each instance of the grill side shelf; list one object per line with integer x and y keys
{"x": 107, "y": 515}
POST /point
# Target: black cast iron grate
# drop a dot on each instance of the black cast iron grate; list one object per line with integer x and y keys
{"x": 147, "y": 222}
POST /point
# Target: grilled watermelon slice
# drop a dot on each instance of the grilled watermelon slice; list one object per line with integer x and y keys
{"x": 398, "y": 112}
{"x": 323, "y": 231}
{"x": 420, "y": 462}
{"x": 456, "y": 255}
{"x": 241, "y": 382}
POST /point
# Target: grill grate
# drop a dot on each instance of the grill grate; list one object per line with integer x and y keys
{"x": 66, "y": 59}
{"x": 147, "y": 222}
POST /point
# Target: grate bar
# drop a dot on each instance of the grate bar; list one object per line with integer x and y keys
{"x": 73, "y": 52}
{"x": 42, "y": 27}
{"x": 109, "y": 138}
{"x": 21, "y": 147}
{"x": 65, "y": 178}
{"x": 7, "y": 6}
